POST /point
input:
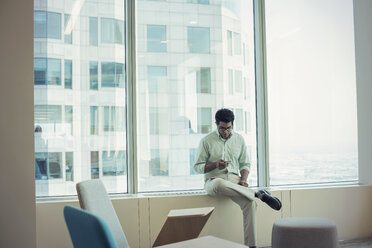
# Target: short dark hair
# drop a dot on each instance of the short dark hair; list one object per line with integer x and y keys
{"x": 224, "y": 115}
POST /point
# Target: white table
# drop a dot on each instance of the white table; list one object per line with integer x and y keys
{"x": 204, "y": 242}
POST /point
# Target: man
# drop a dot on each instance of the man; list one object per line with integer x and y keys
{"x": 223, "y": 158}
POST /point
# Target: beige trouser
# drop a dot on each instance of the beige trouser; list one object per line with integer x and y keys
{"x": 227, "y": 185}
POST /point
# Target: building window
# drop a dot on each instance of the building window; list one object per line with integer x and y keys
{"x": 203, "y": 80}
{"x": 239, "y": 121}
{"x": 69, "y": 120}
{"x": 94, "y": 165}
{"x": 94, "y": 117}
{"x": 238, "y": 82}
{"x": 67, "y": 32}
{"x": 156, "y": 38}
{"x": 69, "y": 166}
{"x": 229, "y": 43}
{"x": 231, "y": 81}
{"x": 198, "y": 39}
{"x": 68, "y": 74}
{"x": 112, "y": 31}
{"x": 159, "y": 163}
{"x": 237, "y": 44}
{"x": 48, "y": 165}
{"x": 114, "y": 163}
{"x": 204, "y": 120}
{"x": 114, "y": 119}
{"x": 47, "y": 25}
{"x": 112, "y": 75}
{"x": 198, "y": 1}
{"x": 157, "y": 79}
{"x": 93, "y": 75}
{"x": 49, "y": 117}
{"x": 158, "y": 121}
{"x": 47, "y": 71}
{"x": 93, "y": 31}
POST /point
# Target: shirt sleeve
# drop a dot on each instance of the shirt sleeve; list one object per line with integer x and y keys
{"x": 244, "y": 163}
{"x": 202, "y": 158}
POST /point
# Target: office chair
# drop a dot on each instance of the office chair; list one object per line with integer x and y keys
{"x": 93, "y": 197}
{"x": 87, "y": 229}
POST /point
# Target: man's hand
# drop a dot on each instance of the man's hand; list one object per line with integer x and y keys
{"x": 221, "y": 164}
{"x": 243, "y": 183}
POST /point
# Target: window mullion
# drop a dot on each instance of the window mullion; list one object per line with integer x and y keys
{"x": 261, "y": 94}
{"x": 132, "y": 173}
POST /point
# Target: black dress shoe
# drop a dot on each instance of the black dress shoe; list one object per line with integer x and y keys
{"x": 270, "y": 200}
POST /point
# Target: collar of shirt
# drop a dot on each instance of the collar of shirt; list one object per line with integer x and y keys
{"x": 219, "y": 135}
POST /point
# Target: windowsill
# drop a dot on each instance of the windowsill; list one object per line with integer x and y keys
{"x": 45, "y": 199}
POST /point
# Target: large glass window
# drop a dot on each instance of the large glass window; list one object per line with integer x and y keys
{"x": 79, "y": 95}
{"x": 180, "y": 89}
{"x": 156, "y": 38}
{"x": 312, "y": 91}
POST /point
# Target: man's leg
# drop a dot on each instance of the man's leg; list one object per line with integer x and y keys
{"x": 242, "y": 196}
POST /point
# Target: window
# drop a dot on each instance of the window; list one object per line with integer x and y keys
{"x": 114, "y": 119}
{"x": 49, "y": 118}
{"x": 54, "y": 71}
{"x": 94, "y": 165}
{"x": 204, "y": 120}
{"x": 158, "y": 121}
{"x": 237, "y": 44}
{"x": 198, "y": 39}
{"x": 231, "y": 81}
{"x": 199, "y": 1}
{"x": 68, "y": 74}
{"x": 239, "y": 120}
{"x": 192, "y": 60}
{"x": 312, "y": 116}
{"x": 112, "y": 74}
{"x": 114, "y": 163}
{"x": 69, "y": 166}
{"x": 47, "y": 71}
{"x": 192, "y": 159}
{"x": 93, "y": 75}
{"x": 156, "y": 38}
{"x": 159, "y": 163}
{"x": 69, "y": 119}
{"x": 80, "y": 96}
{"x": 93, "y": 31}
{"x": 94, "y": 120}
{"x": 48, "y": 165}
{"x": 238, "y": 81}
{"x": 47, "y": 25}
{"x": 67, "y": 33}
{"x": 203, "y": 80}
{"x": 229, "y": 43}
{"x": 157, "y": 79}
{"x": 112, "y": 31}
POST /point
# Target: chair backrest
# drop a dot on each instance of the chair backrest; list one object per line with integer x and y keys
{"x": 87, "y": 229}
{"x": 94, "y": 198}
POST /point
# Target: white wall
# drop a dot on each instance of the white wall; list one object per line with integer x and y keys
{"x": 363, "y": 57}
{"x": 17, "y": 186}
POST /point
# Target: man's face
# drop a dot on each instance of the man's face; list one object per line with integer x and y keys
{"x": 224, "y": 128}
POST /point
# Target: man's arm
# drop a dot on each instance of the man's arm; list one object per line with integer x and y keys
{"x": 243, "y": 178}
